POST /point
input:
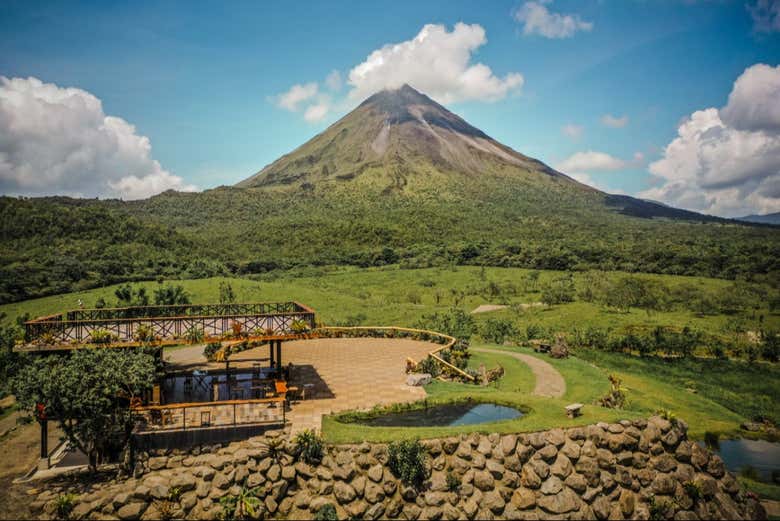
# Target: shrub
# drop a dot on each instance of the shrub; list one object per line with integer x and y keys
{"x": 101, "y": 336}
{"x": 711, "y": 440}
{"x": 749, "y": 472}
{"x": 453, "y": 481}
{"x": 428, "y": 365}
{"x": 64, "y": 504}
{"x": 407, "y": 461}
{"x": 143, "y": 333}
{"x": 454, "y": 322}
{"x": 211, "y": 349}
{"x": 693, "y": 489}
{"x": 308, "y": 446}
{"x": 194, "y": 335}
{"x": 327, "y": 512}
{"x": 299, "y": 326}
{"x": 497, "y": 330}
{"x": 558, "y": 291}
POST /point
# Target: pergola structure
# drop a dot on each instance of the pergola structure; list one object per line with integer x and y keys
{"x": 158, "y": 326}
{"x": 163, "y": 325}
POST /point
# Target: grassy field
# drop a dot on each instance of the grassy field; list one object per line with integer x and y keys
{"x": 392, "y": 296}
{"x": 584, "y": 383}
{"x": 711, "y": 395}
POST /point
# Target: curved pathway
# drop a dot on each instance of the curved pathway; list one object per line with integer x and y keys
{"x": 549, "y": 382}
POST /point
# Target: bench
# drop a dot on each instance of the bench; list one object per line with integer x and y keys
{"x": 574, "y": 410}
{"x": 542, "y": 348}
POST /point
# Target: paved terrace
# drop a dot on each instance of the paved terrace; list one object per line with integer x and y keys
{"x": 342, "y": 373}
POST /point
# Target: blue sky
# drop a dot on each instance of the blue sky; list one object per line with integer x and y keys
{"x": 202, "y": 80}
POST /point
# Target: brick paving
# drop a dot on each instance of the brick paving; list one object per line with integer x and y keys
{"x": 342, "y": 373}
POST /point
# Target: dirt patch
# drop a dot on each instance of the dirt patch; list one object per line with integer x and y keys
{"x": 485, "y": 308}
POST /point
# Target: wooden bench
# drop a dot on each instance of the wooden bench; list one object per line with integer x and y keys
{"x": 574, "y": 410}
{"x": 542, "y": 348}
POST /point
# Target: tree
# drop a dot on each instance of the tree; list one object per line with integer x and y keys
{"x": 170, "y": 295}
{"x": 558, "y": 291}
{"x": 127, "y": 296}
{"x": 88, "y": 393}
{"x": 226, "y": 295}
{"x": 454, "y": 322}
{"x": 10, "y": 362}
{"x": 496, "y": 330}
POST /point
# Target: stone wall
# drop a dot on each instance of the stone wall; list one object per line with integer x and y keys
{"x": 631, "y": 470}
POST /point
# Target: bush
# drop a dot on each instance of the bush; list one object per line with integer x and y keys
{"x": 211, "y": 349}
{"x": 64, "y": 505}
{"x": 711, "y": 440}
{"x": 453, "y": 481}
{"x": 101, "y": 336}
{"x": 693, "y": 489}
{"x": 496, "y": 330}
{"x": 326, "y": 513}
{"x": 407, "y": 461}
{"x": 430, "y": 366}
{"x": 558, "y": 291}
{"x": 194, "y": 335}
{"x": 308, "y": 446}
{"x": 455, "y": 322}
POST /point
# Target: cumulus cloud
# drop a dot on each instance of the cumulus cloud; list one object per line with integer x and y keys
{"x": 436, "y": 62}
{"x": 56, "y": 140}
{"x": 333, "y": 80}
{"x": 572, "y": 131}
{"x": 538, "y": 19}
{"x": 590, "y": 161}
{"x": 608, "y": 120}
{"x": 766, "y": 15}
{"x": 727, "y": 162}
{"x": 297, "y": 95}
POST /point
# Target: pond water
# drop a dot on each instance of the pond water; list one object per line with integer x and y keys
{"x": 448, "y": 415}
{"x": 764, "y": 456}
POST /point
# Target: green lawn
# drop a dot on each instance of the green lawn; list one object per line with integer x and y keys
{"x": 513, "y": 389}
{"x": 763, "y": 490}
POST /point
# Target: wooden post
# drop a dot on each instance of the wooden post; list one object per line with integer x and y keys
{"x": 279, "y": 356}
{"x": 44, "y": 438}
{"x": 271, "y": 353}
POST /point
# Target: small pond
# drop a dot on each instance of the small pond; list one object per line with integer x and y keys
{"x": 447, "y": 415}
{"x": 763, "y": 456}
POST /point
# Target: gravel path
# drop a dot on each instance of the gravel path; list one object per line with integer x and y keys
{"x": 549, "y": 381}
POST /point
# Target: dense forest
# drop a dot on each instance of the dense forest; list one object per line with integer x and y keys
{"x": 55, "y": 245}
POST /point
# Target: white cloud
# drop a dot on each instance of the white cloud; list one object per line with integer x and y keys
{"x": 57, "y": 140}
{"x": 333, "y": 80}
{"x": 572, "y": 131}
{"x": 537, "y": 19}
{"x": 437, "y": 63}
{"x": 726, "y": 162}
{"x": 297, "y": 95}
{"x": 318, "y": 111}
{"x": 754, "y": 102}
{"x": 766, "y": 15}
{"x": 608, "y": 120}
{"x": 590, "y": 161}
{"x": 587, "y": 179}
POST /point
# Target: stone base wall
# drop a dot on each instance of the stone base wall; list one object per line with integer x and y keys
{"x": 643, "y": 469}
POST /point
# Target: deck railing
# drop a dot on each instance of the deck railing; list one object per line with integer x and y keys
{"x": 204, "y": 415}
{"x": 122, "y": 325}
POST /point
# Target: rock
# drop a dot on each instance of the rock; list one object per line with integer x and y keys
{"x": 627, "y": 502}
{"x": 483, "y": 480}
{"x": 529, "y": 478}
{"x": 684, "y": 451}
{"x": 555, "y": 437}
{"x": 508, "y": 444}
{"x": 157, "y": 463}
{"x": 375, "y": 473}
{"x": 120, "y": 500}
{"x": 418, "y": 379}
{"x": 374, "y": 493}
{"x": 523, "y": 498}
{"x": 601, "y": 507}
{"x": 131, "y": 511}
{"x": 343, "y": 492}
{"x": 571, "y": 451}
{"x": 222, "y": 481}
{"x": 274, "y": 473}
{"x": 495, "y": 469}
{"x": 661, "y": 423}
{"x": 434, "y": 499}
{"x": 450, "y": 444}
{"x": 553, "y": 485}
{"x": 288, "y": 473}
{"x": 184, "y": 482}
{"x": 344, "y": 472}
{"x": 547, "y": 453}
{"x": 432, "y": 513}
{"x": 541, "y": 468}
{"x": 615, "y": 428}
{"x": 562, "y": 467}
{"x": 700, "y": 457}
{"x": 270, "y": 504}
{"x": 663, "y": 484}
{"x": 513, "y": 463}
{"x": 357, "y": 509}
{"x": 716, "y": 467}
{"x": 493, "y": 501}
{"x": 484, "y": 447}
{"x": 664, "y": 463}
{"x": 751, "y": 426}
{"x": 577, "y": 483}
{"x": 561, "y": 503}
{"x": 523, "y": 452}
{"x": 464, "y": 451}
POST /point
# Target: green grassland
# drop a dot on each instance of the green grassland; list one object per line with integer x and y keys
{"x": 711, "y": 395}
{"x": 393, "y": 296}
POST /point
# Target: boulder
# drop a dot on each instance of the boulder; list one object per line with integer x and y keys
{"x": 418, "y": 379}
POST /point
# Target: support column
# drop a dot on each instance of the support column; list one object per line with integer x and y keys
{"x": 43, "y": 462}
{"x": 279, "y": 355}
{"x": 271, "y": 353}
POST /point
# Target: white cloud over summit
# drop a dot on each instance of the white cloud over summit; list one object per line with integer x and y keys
{"x": 56, "y": 140}
{"x": 539, "y": 20}
{"x": 436, "y": 62}
{"x": 727, "y": 161}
